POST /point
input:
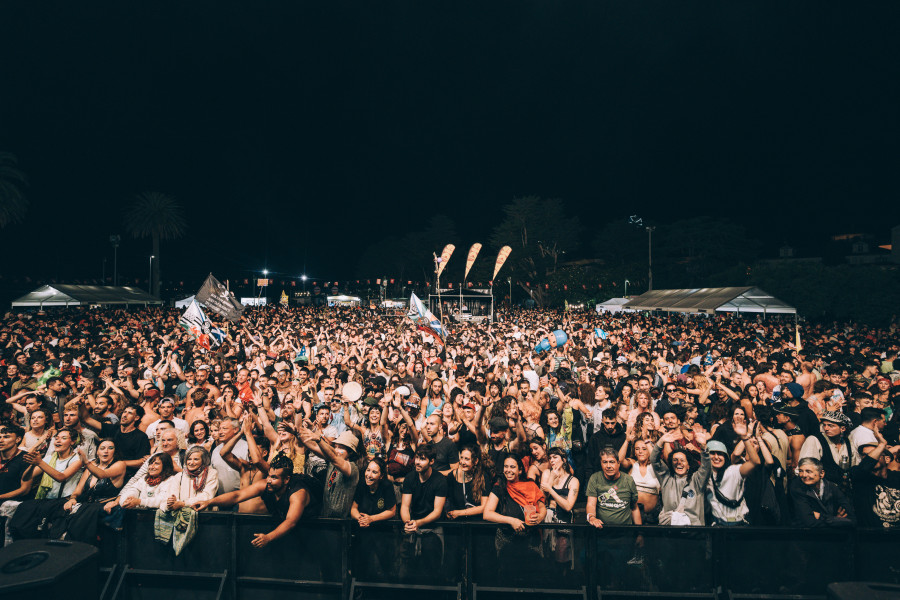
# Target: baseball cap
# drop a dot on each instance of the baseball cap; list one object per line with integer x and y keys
{"x": 716, "y": 446}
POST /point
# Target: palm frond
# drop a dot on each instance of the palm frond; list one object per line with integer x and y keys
{"x": 155, "y": 214}
{"x": 13, "y": 203}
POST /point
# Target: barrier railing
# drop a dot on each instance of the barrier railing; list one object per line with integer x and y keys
{"x": 333, "y": 558}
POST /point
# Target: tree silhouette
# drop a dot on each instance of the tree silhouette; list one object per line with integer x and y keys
{"x": 13, "y": 202}
{"x": 159, "y": 217}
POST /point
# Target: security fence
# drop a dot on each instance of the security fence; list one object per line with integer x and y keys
{"x": 332, "y": 558}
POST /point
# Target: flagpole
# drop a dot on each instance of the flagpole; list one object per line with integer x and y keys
{"x": 437, "y": 275}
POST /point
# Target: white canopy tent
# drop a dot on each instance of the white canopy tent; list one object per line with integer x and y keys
{"x": 613, "y": 305}
{"x": 711, "y": 300}
{"x": 186, "y": 302}
{"x": 85, "y": 295}
{"x": 343, "y": 300}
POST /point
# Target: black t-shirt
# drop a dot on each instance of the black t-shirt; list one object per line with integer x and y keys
{"x": 129, "y": 446}
{"x": 446, "y": 454}
{"x": 278, "y": 507}
{"x": 372, "y": 503}
{"x": 424, "y": 492}
{"x": 11, "y": 473}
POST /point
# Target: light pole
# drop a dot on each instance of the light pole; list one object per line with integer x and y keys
{"x": 150, "y": 276}
{"x": 626, "y": 287}
{"x": 303, "y": 278}
{"x": 650, "y": 258}
{"x": 114, "y": 240}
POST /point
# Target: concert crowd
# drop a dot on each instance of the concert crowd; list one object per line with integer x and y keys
{"x": 675, "y": 421}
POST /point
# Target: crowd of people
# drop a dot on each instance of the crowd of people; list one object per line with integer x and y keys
{"x": 350, "y": 413}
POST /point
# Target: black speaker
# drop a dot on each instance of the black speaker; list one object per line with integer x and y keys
{"x": 64, "y": 569}
{"x": 863, "y": 590}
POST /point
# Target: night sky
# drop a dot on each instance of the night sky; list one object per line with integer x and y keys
{"x": 301, "y": 131}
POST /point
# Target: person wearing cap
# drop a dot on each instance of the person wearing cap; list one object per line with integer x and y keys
{"x": 792, "y": 395}
{"x": 816, "y": 501}
{"x": 876, "y": 486}
{"x": 832, "y": 435}
{"x": 725, "y": 489}
{"x": 342, "y": 475}
{"x": 785, "y": 417}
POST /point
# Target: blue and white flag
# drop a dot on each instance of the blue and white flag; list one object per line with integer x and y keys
{"x": 425, "y": 320}
{"x": 198, "y": 325}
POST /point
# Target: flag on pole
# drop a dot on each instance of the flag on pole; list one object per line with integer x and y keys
{"x": 470, "y": 259}
{"x": 798, "y": 345}
{"x": 424, "y": 319}
{"x": 214, "y": 296}
{"x": 284, "y": 298}
{"x": 501, "y": 258}
{"x": 197, "y": 324}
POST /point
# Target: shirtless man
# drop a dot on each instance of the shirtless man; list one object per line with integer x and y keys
{"x": 806, "y": 378}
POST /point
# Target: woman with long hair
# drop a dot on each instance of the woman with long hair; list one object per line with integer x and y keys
{"x": 539, "y": 460}
{"x": 517, "y": 504}
{"x": 465, "y": 495}
{"x": 374, "y": 501}
{"x": 59, "y": 473}
{"x": 199, "y": 435}
{"x": 101, "y": 481}
{"x": 642, "y": 404}
{"x": 561, "y": 487}
{"x": 37, "y": 438}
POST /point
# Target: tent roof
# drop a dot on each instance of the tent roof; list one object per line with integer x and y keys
{"x": 77, "y": 295}
{"x": 614, "y": 302}
{"x": 710, "y": 300}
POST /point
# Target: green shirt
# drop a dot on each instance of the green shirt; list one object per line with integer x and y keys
{"x": 615, "y": 499}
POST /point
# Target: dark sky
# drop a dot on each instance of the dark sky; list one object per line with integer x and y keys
{"x": 298, "y": 129}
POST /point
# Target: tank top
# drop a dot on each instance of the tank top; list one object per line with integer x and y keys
{"x": 102, "y": 489}
{"x": 430, "y": 408}
{"x": 648, "y": 483}
{"x": 563, "y": 515}
{"x": 278, "y": 507}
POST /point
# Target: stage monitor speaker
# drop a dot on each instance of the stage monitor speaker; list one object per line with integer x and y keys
{"x": 863, "y": 590}
{"x": 65, "y": 569}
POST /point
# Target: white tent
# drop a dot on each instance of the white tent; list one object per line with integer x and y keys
{"x": 613, "y": 305}
{"x": 85, "y": 295}
{"x": 343, "y": 300}
{"x": 186, "y": 302}
{"x": 711, "y": 300}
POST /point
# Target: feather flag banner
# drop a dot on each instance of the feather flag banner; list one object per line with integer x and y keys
{"x": 470, "y": 259}
{"x": 446, "y": 253}
{"x": 501, "y": 258}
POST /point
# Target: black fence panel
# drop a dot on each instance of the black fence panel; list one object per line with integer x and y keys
{"x": 331, "y": 558}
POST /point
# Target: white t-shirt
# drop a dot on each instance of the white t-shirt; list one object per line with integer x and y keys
{"x": 861, "y": 436}
{"x": 229, "y": 479}
{"x": 732, "y": 487}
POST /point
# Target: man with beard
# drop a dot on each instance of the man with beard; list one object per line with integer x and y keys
{"x": 288, "y": 497}
{"x": 132, "y": 444}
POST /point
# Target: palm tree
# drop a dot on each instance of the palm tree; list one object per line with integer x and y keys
{"x": 13, "y": 203}
{"x": 159, "y": 217}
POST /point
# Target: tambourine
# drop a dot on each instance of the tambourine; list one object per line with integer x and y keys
{"x": 556, "y": 339}
{"x": 351, "y": 391}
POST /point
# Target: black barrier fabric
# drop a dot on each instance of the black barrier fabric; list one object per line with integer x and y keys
{"x": 327, "y": 558}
